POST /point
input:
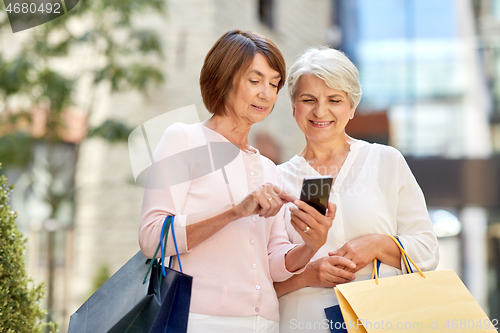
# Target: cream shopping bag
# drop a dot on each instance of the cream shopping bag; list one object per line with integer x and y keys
{"x": 436, "y": 301}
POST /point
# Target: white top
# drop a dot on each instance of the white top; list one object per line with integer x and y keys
{"x": 198, "y": 170}
{"x": 375, "y": 193}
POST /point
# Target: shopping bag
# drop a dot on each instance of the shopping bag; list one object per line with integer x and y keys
{"x": 175, "y": 291}
{"x": 336, "y": 322}
{"x": 138, "y": 299}
{"x": 417, "y": 302}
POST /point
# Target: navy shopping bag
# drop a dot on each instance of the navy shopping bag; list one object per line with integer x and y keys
{"x": 138, "y": 299}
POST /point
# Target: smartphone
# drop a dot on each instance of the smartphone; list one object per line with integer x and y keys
{"x": 316, "y": 192}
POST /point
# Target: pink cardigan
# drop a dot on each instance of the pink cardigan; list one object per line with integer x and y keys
{"x": 233, "y": 271}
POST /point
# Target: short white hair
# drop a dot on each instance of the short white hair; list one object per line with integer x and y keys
{"x": 332, "y": 66}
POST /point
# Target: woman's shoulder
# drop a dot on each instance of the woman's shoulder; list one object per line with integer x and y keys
{"x": 388, "y": 159}
{"x": 177, "y": 138}
{"x": 182, "y": 128}
{"x": 385, "y": 151}
{"x": 185, "y": 134}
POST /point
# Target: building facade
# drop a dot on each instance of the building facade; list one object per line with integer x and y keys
{"x": 422, "y": 73}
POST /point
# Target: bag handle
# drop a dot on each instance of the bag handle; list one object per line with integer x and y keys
{"x": 169, "y": 222}
{"x": 164, "y": 230}
{"x": 406, "y": 260}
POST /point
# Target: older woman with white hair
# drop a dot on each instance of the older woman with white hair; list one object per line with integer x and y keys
{"x": 374, "y": 190}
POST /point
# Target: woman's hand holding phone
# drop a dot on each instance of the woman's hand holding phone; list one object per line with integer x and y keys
{"x": 314, "y": 213}
{"x": 316, "y": 192}
{"x": 311, "y": 224}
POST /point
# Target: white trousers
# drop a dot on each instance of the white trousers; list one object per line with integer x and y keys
{"x": 200, "y": 323}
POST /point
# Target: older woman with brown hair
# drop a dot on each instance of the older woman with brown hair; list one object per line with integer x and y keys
{"x": 229, "y": 223}
{"x": 374, "y": 190}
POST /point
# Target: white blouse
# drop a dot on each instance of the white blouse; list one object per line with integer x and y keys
{"x": 375, "y": 193}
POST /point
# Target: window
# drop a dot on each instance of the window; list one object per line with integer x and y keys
{"x": 404, "y": 49}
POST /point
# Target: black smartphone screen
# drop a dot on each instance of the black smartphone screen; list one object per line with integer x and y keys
{"x": 316, "y": 192}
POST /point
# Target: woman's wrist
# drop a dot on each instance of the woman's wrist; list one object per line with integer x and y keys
{"x": 236, "y": 212}
{"x": 302, "y": 280}
{"x": 388, "y": 251}
{"x": 294, "y": 283}
{"x": 298, "y": 257}
{"x": 310, "y": 250}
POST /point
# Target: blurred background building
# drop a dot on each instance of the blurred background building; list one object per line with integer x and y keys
{"x": 430, "y": 73}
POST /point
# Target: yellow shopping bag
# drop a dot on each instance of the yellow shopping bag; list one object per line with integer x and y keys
{"x": 436, "y": 301}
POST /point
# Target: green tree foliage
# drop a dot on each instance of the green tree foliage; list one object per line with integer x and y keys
{"x": 111, "y": 131}
{"x": 102, "y": 275}
{"x": 20, "y": 310}
{"x": 39, "y": 73}
{"x": 125, "y": 57}
{"x": 15, "y": 149}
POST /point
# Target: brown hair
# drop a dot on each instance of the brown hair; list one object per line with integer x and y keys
{"x": 232, "y": 53}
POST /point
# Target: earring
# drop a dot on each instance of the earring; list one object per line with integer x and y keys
{"x": 352, "y": 116}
